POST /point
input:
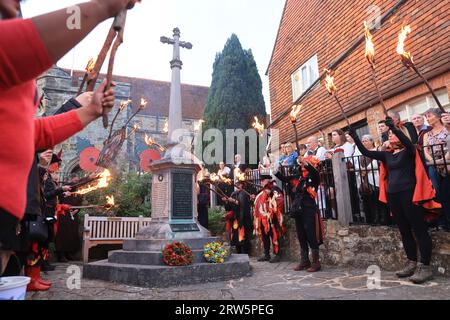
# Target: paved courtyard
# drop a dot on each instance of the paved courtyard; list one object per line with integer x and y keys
{"x": 269, "y": 281}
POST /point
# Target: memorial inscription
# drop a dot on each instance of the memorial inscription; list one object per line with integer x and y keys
{"x": 182, "y": 195}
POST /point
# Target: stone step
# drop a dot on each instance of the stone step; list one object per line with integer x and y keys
{"x": 158, "y": 245}
{"x": 237, "y": 266}
{"x": 149, "y": 257}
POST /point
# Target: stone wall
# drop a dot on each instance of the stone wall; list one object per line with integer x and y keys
{"x": 363, "y": 245}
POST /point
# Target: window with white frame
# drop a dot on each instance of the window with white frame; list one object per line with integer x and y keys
{"x": 422, "y": 104}
{"x": 304, "y": 77}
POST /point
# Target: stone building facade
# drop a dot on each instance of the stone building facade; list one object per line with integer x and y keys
{"x": 314, "y": 35}
{"x": 58, "y": 85}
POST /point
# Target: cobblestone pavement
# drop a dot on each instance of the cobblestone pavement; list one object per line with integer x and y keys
{"x": 269, "y": 281}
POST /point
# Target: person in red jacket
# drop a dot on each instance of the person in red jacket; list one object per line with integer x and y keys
{"x": 28, "y": 47}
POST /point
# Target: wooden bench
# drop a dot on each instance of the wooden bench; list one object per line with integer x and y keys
{"x": 109, "y": 230}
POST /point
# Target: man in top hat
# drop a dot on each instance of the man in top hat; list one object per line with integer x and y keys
{"x": 268, "y": 218}
{"x": 304, "y": 181}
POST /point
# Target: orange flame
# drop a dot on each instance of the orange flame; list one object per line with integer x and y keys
{"x": 370, "y": 48}
{"x": 166, "y": 126}
{"x": 136, "y": 127}
{"x": 329, "y": 82}
{"x": 124, "y": 104}
{"x": 295, "y": 111}
{"x": 103, "y": 182}
{"x": 143, "y": 103}
{"x": 241, "y": 177}
{"x": 401, "y": 43}
{"x": 110, "y": 201}
{"x": 90, "y": 65}
{"x": 259, "y": 127}
{"x": 151, "y": 142}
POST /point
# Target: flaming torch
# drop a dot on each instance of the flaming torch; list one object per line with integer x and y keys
{"x": 142, "y": 105}
{"x": 89, "y": 67}
{"x": 136, "y": 127}
{"x": 152, "y": 142}
{"x": 108, "y": 206}
{"x": 331, "y": 88}
{"x": 102, "y": 182}
{"x": 166, "y": 126}
{"x": 259, "y": 128}
{"x": 408, "y": 61}
{"x": 293, "y": 116}
{"x": 123, "y": 105}
{"x": 370, "y": 56}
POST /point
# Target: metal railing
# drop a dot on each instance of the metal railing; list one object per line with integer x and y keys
{"x": 326, "y": 194}
{"x": 363, "y": 178}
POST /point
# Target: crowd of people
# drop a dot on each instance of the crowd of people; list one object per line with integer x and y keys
{"x": 28, "y": 192}
{"x": 402, "y": 177}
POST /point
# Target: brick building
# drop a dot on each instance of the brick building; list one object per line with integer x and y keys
{"x": 315, "y": 34}
{"x": 58, "y": 85}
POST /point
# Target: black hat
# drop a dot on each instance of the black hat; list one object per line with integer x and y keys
{"x": 55, "y": 158}
{"x": 265, "y": 176}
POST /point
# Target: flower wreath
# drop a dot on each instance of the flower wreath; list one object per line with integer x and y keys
{"x": 215, "y": 252}
{"x": 177, "y": 254}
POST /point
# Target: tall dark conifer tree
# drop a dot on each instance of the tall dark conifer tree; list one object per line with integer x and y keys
{"x": 235, "y": 95}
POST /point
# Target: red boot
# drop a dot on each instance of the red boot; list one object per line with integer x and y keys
{"x": 35, "y": 285}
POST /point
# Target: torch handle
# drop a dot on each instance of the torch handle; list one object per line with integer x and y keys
{"x": 119, "y": 20}
{"x": 342, "y": 110}
{"x": 416, "y": 70}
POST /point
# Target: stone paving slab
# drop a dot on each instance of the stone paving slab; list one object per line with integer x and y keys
{"x": 268, "y": 282}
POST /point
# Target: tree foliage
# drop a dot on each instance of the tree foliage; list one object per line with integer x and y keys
{"x": 235, "y": 95}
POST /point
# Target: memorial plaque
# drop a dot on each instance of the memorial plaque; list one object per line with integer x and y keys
{"x": 182, "y": 195}
{"x": 184, "y": 227}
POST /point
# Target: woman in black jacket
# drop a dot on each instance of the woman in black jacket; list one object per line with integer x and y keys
{"x": 401, "y": 184}
{"x": 304, "y": 183}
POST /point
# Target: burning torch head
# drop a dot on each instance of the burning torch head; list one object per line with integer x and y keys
{"x": 370, "y": 48}
{"x": 329, "y": 82}
{"x": 407, "y": 59}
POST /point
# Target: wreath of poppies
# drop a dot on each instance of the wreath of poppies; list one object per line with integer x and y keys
{"x": 215, "y": 252}
{"x": 177, "y": 254}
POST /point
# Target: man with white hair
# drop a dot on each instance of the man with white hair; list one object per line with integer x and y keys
{"x": 314, "y": 148}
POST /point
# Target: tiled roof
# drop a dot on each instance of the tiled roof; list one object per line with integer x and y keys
{"x": 193, "y": 97}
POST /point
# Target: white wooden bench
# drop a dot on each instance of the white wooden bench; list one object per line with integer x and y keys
{"x": 109, "y": 230}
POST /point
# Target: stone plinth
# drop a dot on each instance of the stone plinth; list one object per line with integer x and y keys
{"x": 174, "y": 218}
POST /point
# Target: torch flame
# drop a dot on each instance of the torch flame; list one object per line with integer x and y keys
{"x": 295, "y": 111}
{"x": 103, "y": 182}
{"x": 151, "y": 142}
{"x": 124, "y": 104}
{"x": 241, "y": 177}
{"x": 90, "y": 65}
{"x": 329, "y": 82}
{"x": 136, "y": 127}
{"x": 259, "y": 127}
{"x": 110, "y": 201}
{"x": 370, "y": 48}
{"x": 143, "y": 103}
{"x": 166, "y": 126}
{"x": 401, "y": 43}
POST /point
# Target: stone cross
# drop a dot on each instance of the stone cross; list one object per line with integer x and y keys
{"x": 175, "y": 111}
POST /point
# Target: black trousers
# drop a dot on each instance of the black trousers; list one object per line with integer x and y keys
{"x": 305, "y": 223}
{"x": 267, "y": 240}
{"x": 410, "y": 221}
{"x": 202, "y": 210}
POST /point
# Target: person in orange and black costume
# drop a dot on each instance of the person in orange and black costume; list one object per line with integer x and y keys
{"x": 239, "y": 218}
{"x": 268, "y": 218}
{"x": 404, "y": 185}
{"x": 304, "y": 181}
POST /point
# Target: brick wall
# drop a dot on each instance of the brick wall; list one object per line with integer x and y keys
{"x": 328, "y": 28}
